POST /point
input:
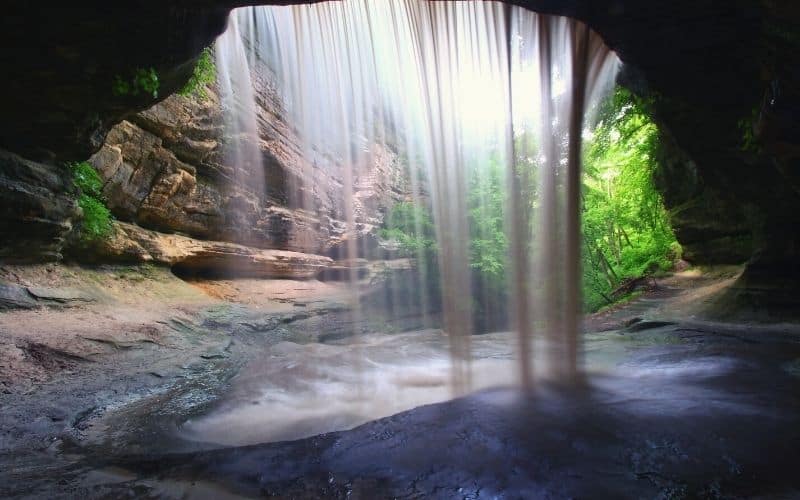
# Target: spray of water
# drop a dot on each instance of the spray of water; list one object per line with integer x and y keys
{"x": 239, "y": 110}
{"x": 453, "y": 87}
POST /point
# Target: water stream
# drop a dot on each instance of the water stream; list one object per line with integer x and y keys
{"x": 239, "y": 109}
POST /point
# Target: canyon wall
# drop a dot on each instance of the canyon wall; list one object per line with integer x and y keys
{"x": 169, "y": 169}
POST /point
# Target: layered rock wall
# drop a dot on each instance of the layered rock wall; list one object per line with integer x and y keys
{"x": 166, "y": 169}
{"x": 170, "y": 169}
{"x": 36, "y": 209}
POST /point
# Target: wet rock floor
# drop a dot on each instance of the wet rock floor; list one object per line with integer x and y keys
{"x": 668, "y": 409}
{"x": 690, "y": 410}
{"x": 716, "y": 414}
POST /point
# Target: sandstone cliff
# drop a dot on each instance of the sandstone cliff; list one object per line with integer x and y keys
{"x": 166, "y": 169}
{"x": 170, "y": 169}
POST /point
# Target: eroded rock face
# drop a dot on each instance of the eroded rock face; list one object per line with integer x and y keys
{"x": 38, "y": 206}
{"x": 61, "y": 62}
{"x": 168, "y": 169}
{"x": 711, "y": 228}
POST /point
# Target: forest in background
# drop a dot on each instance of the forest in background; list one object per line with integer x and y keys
{"x": 626, "y": 229}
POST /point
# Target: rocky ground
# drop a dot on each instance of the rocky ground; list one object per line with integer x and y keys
{"x": 76, "y": 342}
{"x": 126, "y": 381}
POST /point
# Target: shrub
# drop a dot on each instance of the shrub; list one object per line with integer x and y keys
{"x": 205, "y": 72}
{"x": 142, "y": 80}
{"x": 87, "y": 179}
{"x": 411, "y": 227}
{"x": 96, "y": 223}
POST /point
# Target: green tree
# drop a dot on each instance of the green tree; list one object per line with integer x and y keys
{"x": 626, "y": 230}
{"x": 486, "y": 198}
{"x": 488, "y": 246}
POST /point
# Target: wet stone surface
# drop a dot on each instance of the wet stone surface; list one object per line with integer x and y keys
{"x": 689, "y": 410}
{"x": 245, "y": 402}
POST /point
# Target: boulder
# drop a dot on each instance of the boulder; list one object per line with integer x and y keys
{"x": 13, "y": 296}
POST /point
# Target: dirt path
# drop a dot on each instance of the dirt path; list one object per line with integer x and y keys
{"x": 680, "y": 296}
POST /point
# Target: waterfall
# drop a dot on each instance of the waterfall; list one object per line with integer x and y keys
{"x": 239, "y": 111}
{"x": 458, "y": 89}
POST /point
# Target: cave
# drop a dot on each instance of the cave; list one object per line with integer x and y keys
{"x": 402, "y": 248}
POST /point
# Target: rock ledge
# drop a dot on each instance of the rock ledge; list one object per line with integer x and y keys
{"x": 192, "y": 256}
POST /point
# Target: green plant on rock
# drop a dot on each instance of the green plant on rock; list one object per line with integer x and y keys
{"x": 96, "y": 222}
{"x": 143, "y": 80}
{"x": 86, "y": 178}
{"x": 205, "y": 72}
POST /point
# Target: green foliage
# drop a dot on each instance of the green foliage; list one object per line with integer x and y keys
{"x": 87, "y": 179}
{"x": 96, "y": 223}
{"x": 143, "y": 80}
{"x": 205, "y": 72}
{"x": 488, "y": 241}
{"x": 411, "y": 227}
{"x": 749, "y": 142}
{"x": 626, "y": 229}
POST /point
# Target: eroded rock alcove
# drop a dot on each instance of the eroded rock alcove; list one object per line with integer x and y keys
{"x": 710, "y": 89}
{"x": 264, "y": 332}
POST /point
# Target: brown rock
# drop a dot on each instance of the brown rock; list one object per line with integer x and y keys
{"x": 38, "y": 209}
{"x": 191, "y": 256}
{"x": 167, "y": 169}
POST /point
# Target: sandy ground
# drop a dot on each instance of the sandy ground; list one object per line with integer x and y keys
{"x": 679, "y": 296}
{"x": 129, "y": 307}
